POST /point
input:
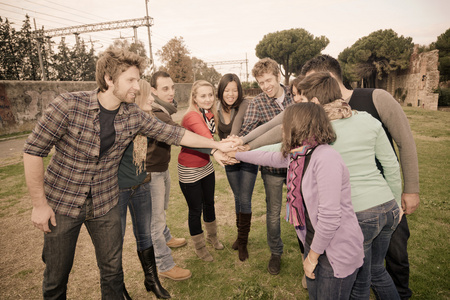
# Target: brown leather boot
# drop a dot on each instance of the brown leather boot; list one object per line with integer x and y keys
{"x": 245, "y": 221}
{"x": 236, "y": 242}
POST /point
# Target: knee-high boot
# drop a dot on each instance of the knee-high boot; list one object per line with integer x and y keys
{"x": 211, "y": 235}
{"x": 236, "y": 242}
{"x": 147, "y": 258}
{"x": 245, "y": 221}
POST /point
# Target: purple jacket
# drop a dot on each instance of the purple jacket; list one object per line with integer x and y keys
{"x": 327, "y": 196}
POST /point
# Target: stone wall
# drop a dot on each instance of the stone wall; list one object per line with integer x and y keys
{"x": 416, "y": 87}
{"x": 22, "y": 102}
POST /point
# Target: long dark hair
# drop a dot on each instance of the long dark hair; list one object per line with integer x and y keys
{"x": 224, "y": 81}
{"x": 303, "y": 122}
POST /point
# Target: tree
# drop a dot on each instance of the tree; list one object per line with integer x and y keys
{"x": 291, "y": 49}
{"x": 443, "y": 45}
{"x": 28, "y": 54}
{"x": 9, "y": 62}
{"x": 63, "y": 70}
{"x": 176, "y": 60}
{"x": 376, "y": 55}
{"x": 202, "y": 71}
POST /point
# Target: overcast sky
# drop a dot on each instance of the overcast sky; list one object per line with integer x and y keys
{"x": 230, "y": 30}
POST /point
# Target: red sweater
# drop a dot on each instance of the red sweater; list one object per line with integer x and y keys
{"x": 193, "y": 121}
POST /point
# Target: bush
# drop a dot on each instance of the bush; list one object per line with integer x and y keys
{"x": 444, "y": 96}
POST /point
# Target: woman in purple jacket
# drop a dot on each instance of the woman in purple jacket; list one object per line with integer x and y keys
{"x": 319, "y": 201}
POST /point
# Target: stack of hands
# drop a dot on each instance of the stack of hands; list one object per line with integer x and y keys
{"x": 231, "y": 144}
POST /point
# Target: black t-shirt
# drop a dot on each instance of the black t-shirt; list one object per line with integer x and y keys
{"x": 107, "y": 130}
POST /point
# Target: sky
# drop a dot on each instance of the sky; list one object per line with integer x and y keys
{"x": 217, "y": 31}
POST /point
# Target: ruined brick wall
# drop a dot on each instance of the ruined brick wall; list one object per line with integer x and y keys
{"x": 22, "y": 102}
{"x": 416, "y": 86}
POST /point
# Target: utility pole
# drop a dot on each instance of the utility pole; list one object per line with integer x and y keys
{"x": 41, "y": 63}
{"x": 152, "y": 68}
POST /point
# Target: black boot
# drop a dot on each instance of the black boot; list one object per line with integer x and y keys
{"x": 245, "y": 221}
{"x": 236, "y": 242}
{"x": 147, "y": 258}
{"x": 125, "y": 293}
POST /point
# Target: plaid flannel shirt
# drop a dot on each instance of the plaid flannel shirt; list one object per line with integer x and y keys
{"x": 71, "y": 124}
{"x": 261, "y": 110}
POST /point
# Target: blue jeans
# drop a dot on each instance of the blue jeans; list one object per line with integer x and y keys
{"x": 397, "y": 263}
{"x": 273, "y": 185}
{"x": 200, "y": 199}
{"x": 59, "y": 251}
{"x": 140, "y": 205}
{"x": 160, "y": 190}
{"x": 242, "y": 179}
{"x": 325, "y": 286}
{"x": 377, "y": 224}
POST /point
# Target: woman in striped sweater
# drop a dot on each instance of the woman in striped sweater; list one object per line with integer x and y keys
{"x": 196, "y": 171}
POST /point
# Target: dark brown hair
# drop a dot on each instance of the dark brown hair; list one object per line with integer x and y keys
{"x": 323, "y": 63}
{"x": 322, "y": 86}
{"x": 158, "y": 74}
{"x": 224, "y": 81}
{"x": 303, "y": 122}
{"x": 115, "y": 61}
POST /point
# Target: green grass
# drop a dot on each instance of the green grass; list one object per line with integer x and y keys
{"x": 227, "y": 277}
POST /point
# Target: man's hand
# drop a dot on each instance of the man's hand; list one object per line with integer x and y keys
{"x": 40, "y": 216}
{"x": 410, "y": 202}
{"x": 224, "y": 159}
{"x": 225, "y": 146}
{"x": 237, "y": 141}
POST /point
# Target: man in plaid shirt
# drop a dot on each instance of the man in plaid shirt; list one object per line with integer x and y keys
{"x": 263, "y": 108}
{"x": 90, "y": 131}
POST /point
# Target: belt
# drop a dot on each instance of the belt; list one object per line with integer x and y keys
{"x": 147, "y": 179}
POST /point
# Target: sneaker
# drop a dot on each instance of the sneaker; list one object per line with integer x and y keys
{"x": 274, "y": 264}
{"x": 176, "y": 242}
{"x": 176, "y": 273}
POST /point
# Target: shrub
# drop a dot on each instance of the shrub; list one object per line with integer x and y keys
{"x": 444, "y": 96}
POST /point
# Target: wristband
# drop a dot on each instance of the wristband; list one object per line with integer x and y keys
{"x": 312, "y": 262}
{"x": 214, "y": 151}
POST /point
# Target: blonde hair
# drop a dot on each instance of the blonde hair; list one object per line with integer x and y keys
{"x": 194, "y": 91}
{"x": 266, "y": 65}
{"x": 144, "y": 92}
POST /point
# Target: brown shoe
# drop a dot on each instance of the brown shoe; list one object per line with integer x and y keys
{"x": 176, "y": 273}
{"x": 176, "y": 242}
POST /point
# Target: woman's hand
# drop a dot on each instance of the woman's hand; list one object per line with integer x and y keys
{"x": 309, "y": 265}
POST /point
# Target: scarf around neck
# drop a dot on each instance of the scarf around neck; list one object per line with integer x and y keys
{"x": 295, "y": 213}
{"x": 139, "y": 153}
{"x": 168, "y": 108}
{"x": 208, "y": 116}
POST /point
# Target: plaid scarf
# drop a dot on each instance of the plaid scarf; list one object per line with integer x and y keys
{"x": 295, "y": 213}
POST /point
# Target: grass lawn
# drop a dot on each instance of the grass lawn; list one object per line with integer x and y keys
{"x": 227, "y": 278}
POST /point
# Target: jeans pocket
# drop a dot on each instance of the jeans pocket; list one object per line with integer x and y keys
{"x": 396, "y": 216}
{"x": 370, "y": 226}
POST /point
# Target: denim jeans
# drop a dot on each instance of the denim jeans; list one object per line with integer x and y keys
{"x": 397, "y": 263}
{"x": 59, "y": 250}
{"x": 200, "y": 199}
{"x": 325, "y": 286}
{"x": 140, "y": 205}
{"x": 242, "y": 179}
{"x": 377, "y": 224}
{"x": 160, "y": 190}
{"x": 273, "y": 185}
